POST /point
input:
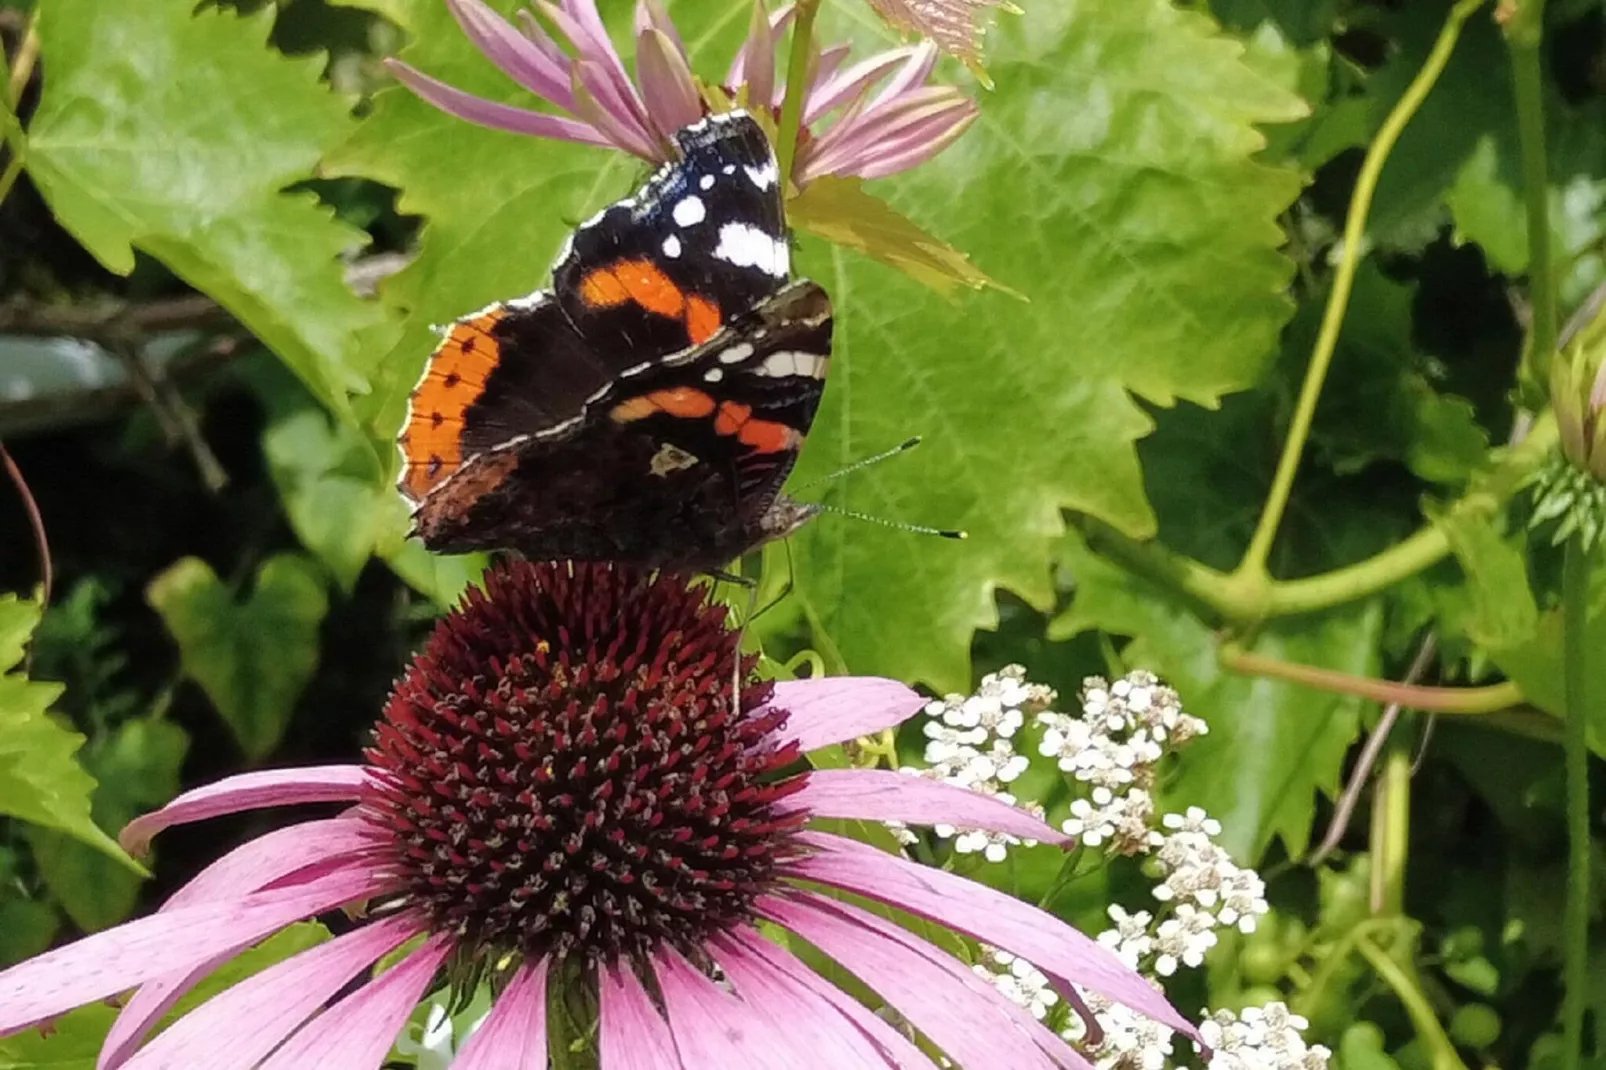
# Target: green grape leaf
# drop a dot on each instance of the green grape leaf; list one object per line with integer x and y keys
{"x": 252, "y": 656}
{"x": 137, "y": 768}
{"x": 1461, "y": 154}
{"x": 1535, "y": 663}
{"x": 333, "y": 493}
{"x": 174, "y": 133}
{"x": 1503, "y": 614}
{"x": 1384, "y": 405}
{"x": 1272, "y": 746}
{"x": 1135, "y": 221}
{"x": 40, "y": 781}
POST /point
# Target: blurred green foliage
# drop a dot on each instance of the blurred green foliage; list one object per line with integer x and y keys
{"x": 1164, "y": 184}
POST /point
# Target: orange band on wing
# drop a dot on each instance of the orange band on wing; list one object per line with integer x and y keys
{"x": 683, "y": 401}
{"x": 453, "y": 380}
{"x": 702, "y": 319}
{"x": 732, "y": 415}
{"x": 645, "y": 284}
{"x": 766, "y": 436}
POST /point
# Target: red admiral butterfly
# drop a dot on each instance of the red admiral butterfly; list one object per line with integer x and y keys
{"x": 649, "y": 406}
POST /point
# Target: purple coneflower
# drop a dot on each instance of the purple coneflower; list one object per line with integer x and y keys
{"x": 887, "y": 119}
{"x": 563, "y": 795}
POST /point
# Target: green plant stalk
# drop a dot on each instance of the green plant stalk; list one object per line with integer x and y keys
{"x": 1391, "y": 833}
{"x": 1524, "y": 35}
{"x": 1217, "y": 595}
{"x": 797, "y": 83}
{"x": 1575, "y": 944}
{"x": 1448, "y": 700}
{"x": 1441, "y": 1050}
{"x": 1253, "y": 564}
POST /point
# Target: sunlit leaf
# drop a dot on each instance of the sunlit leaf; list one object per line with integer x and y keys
{"x": 40, "y": 781}
{"x": 174, "y": 132}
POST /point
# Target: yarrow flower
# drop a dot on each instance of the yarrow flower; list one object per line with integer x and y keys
{"x": 1261, "y": 1038}
{"x": 564, "y": 794}
{"x": 886, "y": 117}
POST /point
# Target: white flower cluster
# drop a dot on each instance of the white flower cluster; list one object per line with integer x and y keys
{"x": 1261, "y": 1038}
{"x": 1124, "y": 730}
{"x": 1113, "y": 747}
{"x": 970, "y": 742}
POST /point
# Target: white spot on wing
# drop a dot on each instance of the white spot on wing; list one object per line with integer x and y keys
{"x": 706, "y": 182}
{"x": 789, "y": 362}
{"x": 745, "y": 245}
{"x": 736, "y": 353}
{"x": 671, "y": 247}
{"x": 714, "y": 375}
{"x": 690, "y": 211}
{"x": 729, "y": 169}
{"x": 763, "y": 176}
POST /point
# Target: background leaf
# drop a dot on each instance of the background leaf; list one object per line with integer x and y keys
{"x": 1130, "y": 213}
{"x": 252, "y": 655}
{"x": 174, "y": 132}
{"x": 40, "y": 782}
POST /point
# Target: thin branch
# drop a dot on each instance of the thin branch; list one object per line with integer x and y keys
{"x": 1254, "y": 561}
{"x": 1368, "y": 758}
{"x": 1471, "y": 701}
{"x": 36, "y": 521}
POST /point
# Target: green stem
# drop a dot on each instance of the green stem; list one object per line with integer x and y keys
{"x": 797, "y": 83}
{"x": 1575, "y": 610}
{"x": 1282, "y": 485}
{"x": 1238, "y": 600}
{"x": 1449, "y": 700}
{"x": 1441, "y": 1049}
{"x": 1524, "y": 35}
{"x": 1391, "y": 833}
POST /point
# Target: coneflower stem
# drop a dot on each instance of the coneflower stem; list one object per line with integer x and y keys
{"x": 797, "y": 84}
{"x": 1575, "y": 944}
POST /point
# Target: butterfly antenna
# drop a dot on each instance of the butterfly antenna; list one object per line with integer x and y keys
{"x": 896, "y": 525}
{"x": 903, "y": 447}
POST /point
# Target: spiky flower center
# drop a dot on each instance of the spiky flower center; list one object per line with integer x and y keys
{"x": 563, "y": 770}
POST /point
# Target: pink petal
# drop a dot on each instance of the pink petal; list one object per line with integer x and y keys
{"x": 513, "y": 1035}
{"x": 830, "y": 93}
{"x": 248, "y": 791}
{"x": 759, "y": 47}
{"x": 856, "y": 135}
{"x": 518, "y": 57}
{"x": 916, "y": 69}
{"x": 490, "y": 114}
{"x": 245, "y": 869}
{"x": 240, "y": 1026}
{"x": 583, "y": 26}
{"x": 916, "y": 146}
{"x": 716, "y": 1029}
{"x": 898, "y": 1050}
{"x": 537, "y": 35}
{"x": 786, "y": 1006}
{"x": 651, "y": 14}
{"x": 882, "y": 795}
{"x": 357, "y": 1032}
{"x": 985, "y": 914}
{"x": 666, "y": 83}
{"x": 969, "y": 1020}
{"x": 109, "y": 962}
{"x": 834, "y": 709}
{"x": 609, "y": 114}
{"x": 634, "y": 1036}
